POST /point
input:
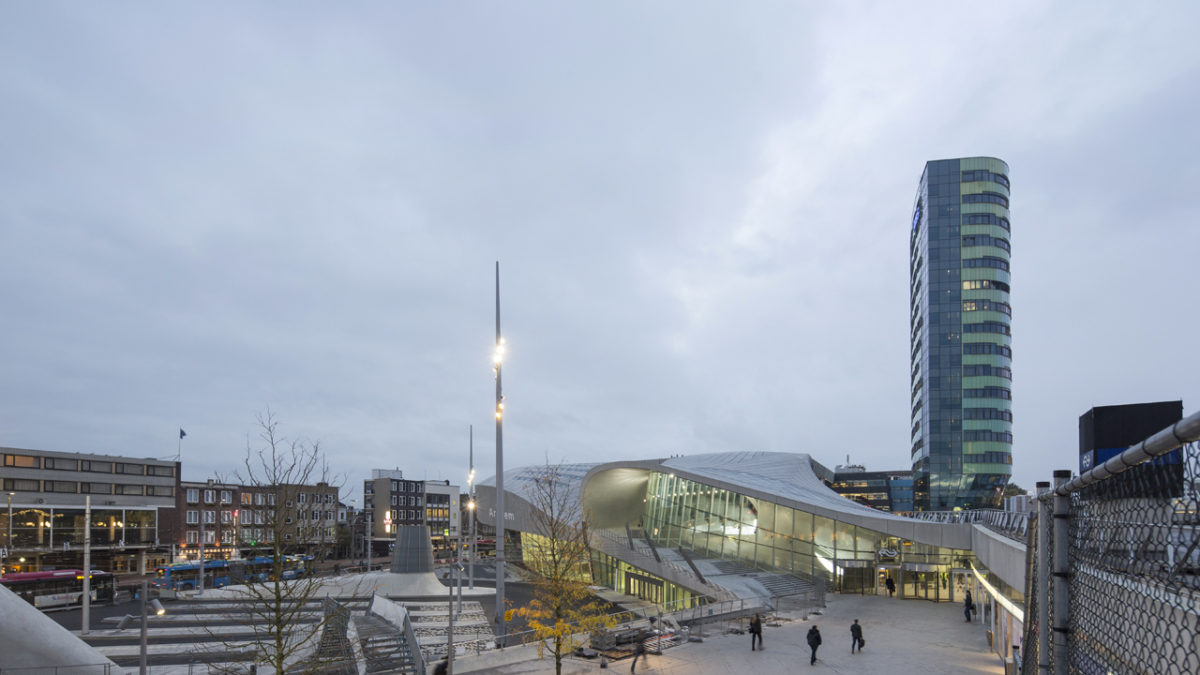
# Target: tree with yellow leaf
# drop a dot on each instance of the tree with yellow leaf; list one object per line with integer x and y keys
{"x": 563, "y": 612}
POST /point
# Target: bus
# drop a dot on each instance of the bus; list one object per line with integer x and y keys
{"x": 219, "y": 573}
{"x": 59, "y": 588}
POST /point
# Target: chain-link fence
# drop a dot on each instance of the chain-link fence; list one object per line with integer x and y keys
{"x": 1114, "y": 560}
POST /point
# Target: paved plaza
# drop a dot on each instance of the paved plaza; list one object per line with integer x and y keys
{"x": 904, "y": 637}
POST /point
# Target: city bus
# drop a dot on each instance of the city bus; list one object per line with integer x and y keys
{"x": 59, "y": 588}
{"x": 220, "y": 573}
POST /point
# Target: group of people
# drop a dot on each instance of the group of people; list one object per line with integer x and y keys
{"x": 814, "y": 637}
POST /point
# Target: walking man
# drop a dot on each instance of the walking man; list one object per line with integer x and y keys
{"x": 968, "y": 606}
{"x": 856, "y": 638}
{"x": 755, "y": 631}
{"x": 639, "y": 652}
{"x": 814, "y": 641}
{"x": 891, "y": 586}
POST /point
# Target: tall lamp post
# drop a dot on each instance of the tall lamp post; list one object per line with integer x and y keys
{"x": 203, "y": 513}
{"x": 158, "y": 611}
{"x": 8, "y": 542}
{"x": 455, "y": 569}
{"x": 497, "y": 360}
{"x": 86, "y": 598}
{"x": 471, "y": 509}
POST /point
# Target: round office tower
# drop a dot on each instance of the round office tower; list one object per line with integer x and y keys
{"x": 960, "y": 335}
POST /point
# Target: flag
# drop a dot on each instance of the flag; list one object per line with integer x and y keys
{"x": 182, "y": 433}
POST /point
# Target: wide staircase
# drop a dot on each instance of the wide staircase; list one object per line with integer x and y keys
{"x": 639, "y": 552}
{"x": 385, "y": 648}
{"x": 776, "y": 584}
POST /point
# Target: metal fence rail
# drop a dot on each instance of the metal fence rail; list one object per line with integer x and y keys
{"x": 1013, "y": 524}
{"x": 83, "y": 669}
{"x": 1115, "y": 564}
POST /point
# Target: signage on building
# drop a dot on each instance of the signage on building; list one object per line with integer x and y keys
{"x": 508, "y": 515}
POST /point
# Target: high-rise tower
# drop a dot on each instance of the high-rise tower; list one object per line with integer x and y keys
{"x": 961, "y": 354}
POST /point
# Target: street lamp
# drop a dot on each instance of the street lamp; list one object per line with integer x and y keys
{"x": 203, "y": 512}
{"x": 159, "y": 610}
{"x": 497, "y": 361}
{"x": 457, "y": 570}
{"x": 8, "y": 542}
{"x": 471, "y": 507}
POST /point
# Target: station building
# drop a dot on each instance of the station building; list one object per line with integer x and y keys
{"x": 772, "y": 512}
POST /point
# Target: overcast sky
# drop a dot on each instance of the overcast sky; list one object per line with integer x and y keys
{"x": 701, "y": 213}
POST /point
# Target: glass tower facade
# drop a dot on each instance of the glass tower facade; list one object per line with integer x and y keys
{"x": 961, "y": 335}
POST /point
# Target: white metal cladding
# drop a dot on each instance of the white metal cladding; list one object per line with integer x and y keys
{"x": 783, "y": 478}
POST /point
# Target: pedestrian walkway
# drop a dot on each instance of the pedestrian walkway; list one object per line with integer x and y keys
{"x": 904, "y": 637}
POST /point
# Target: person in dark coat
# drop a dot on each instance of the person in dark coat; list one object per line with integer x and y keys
{"x": 814, "y": 641}
{"x": 755, "y": 631}
{"x": 639, "y": 652}
{"x": 856, "y": 638}
{"x": 891, "y": 586}
{"x": 968, "y": 606}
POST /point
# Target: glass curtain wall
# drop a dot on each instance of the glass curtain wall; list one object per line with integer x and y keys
{"x": 718, "y": 523}
{"x": 625, "y": 578}
{"x": 40, "y": 529}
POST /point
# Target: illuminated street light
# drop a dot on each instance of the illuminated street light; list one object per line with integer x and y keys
{"x": 471, "y": 505}
{"x": 497, "y": 359}
{"x": 147, "y": 606}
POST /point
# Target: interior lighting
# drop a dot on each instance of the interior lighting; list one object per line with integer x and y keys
{"x": 1017, "y": 612}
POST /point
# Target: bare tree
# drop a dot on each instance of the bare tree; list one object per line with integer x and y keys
{"x": 280, "y": 584}
{"x": 563, "y": 611}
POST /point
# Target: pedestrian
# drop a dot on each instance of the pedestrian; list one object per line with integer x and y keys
{"x": 891, "y": 586}
{"x": 814, "y": 641}
{"x": 968, "y": 606}
{"x": 755, "y": 631}
{"x": 856, "y": 638}
{"x": 639, "y": 652}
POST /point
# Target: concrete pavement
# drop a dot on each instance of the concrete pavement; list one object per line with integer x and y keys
{"x": 904, "y": 637}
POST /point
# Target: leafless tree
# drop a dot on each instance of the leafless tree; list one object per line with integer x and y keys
{"x": 279, "y": 587}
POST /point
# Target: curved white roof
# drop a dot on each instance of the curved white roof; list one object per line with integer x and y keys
{"x": 783, "y": 478}
{"x": 772, "y": 475}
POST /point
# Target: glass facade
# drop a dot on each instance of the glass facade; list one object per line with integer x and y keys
{"x": 43, "y": 529}
{"x": 883, "y": 490}
{"x": 717, "y": 523}
{"x": 960, "y": 335}
{"x": 625, "y": 578}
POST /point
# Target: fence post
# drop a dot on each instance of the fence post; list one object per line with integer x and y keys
{"x": 1042, "y": 587}
{"x": 1062, "y": 567}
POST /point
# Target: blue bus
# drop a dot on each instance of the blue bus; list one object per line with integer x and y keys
{"x": 219, "y": 573}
